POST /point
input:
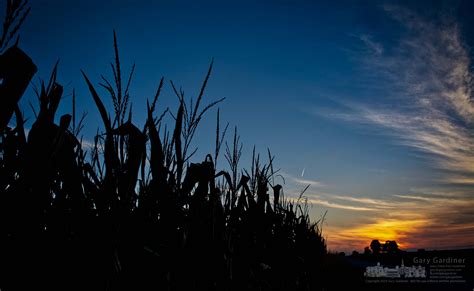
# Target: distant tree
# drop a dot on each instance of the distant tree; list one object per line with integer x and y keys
{"x": 355, "y": 253}
{"x": 367, "y": 251}
{"x": 375, "y": 246}
{"x": 342, "y": 254}
{"x": 391, "y": 247}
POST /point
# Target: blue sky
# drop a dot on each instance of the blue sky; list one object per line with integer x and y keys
{"x": 370, "y": 100}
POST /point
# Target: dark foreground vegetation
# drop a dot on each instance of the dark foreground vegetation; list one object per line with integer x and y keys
{"x": 132, "y": 211}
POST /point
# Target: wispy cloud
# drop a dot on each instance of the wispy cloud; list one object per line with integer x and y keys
{"x": 306, "y": 181}
{"x": 429, "y": 73}
{"x": 300, "y": 181}
{"x": 338, "y": 205}
{"x": 377, "y": 203}
{"x": 414, "y": 220}
{"x": 335, "y": 201}
{"x": 372, "y": 46}
{"x": 422, "y": 218}
{"x": 435, "y": 133}
{"x": 429, "y": 108}
{"x": 433, "y": 69}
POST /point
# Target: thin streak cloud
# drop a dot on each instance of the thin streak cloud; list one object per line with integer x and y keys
{"x": 300, "y": 181}
{"x": 339, "y": 206}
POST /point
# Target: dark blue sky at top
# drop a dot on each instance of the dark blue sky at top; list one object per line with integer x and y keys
{"x": 274, "y": 62}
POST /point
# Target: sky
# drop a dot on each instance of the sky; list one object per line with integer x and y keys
{"x": 370, "y": 102}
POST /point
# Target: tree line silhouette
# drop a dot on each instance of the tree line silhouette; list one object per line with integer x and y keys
{"x": 132, "y": 211}
{"x": 389, "y": 247}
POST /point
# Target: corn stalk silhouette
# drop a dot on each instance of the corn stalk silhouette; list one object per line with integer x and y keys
{"x": 133, "y": 211}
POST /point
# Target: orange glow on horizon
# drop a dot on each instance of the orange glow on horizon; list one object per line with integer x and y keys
{"x": 359, "y": 237}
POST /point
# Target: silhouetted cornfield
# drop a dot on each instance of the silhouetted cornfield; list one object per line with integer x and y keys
{"x": 131, "y": 211}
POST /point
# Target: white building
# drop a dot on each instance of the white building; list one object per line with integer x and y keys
{"x": 401, "y": 271}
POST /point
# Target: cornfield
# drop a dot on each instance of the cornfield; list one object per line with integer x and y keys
{"x": 132, "y": 211}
